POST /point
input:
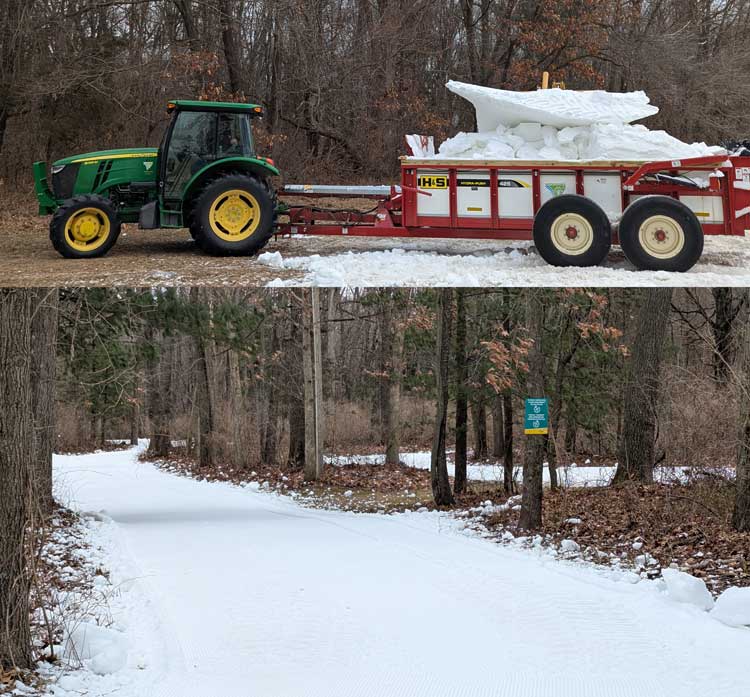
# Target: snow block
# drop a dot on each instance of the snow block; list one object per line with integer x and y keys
{"x": 555, "y": 107}
{"x": 684, "y": 588}
{"x": 733, "y": 607}
{"x": 103, "y": 651}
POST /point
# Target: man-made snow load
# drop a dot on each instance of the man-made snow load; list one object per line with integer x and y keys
{"x": 688, "y": 589}
{"x": 560, "y": 126}
{"x": 733, "y": 607}
{"x": 558, "y": 108}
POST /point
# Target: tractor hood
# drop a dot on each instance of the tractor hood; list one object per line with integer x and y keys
{"x": 91, "y": 157}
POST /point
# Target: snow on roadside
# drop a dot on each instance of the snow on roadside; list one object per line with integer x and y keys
{"x": 572, "y": 476}
{"x": 468, "y": 263}
{"x": 111, "y": 639}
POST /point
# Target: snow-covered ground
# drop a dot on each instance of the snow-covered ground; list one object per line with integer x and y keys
{"x": 467, "y": 263}
{"x": 230, "y": 592}
{"x": 573, "y": 475}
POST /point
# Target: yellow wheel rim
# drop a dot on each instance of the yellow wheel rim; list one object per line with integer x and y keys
{"x": 662, "y": 237}
{"x": 87, "y": 229}
{"x": 572, "y": 234}
{"x": 234, "y": 215}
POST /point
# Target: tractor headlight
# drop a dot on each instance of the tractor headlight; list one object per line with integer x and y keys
{"x": 56, "y": 169}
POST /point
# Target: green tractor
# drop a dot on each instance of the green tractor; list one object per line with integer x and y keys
{"x": 205, "y": 176}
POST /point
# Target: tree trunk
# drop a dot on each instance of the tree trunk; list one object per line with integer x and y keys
{"x": 441, "y": 486}
{"x": 462, "y": 378}
{"x": 642, "y": 387}
{"x": 16, "y": 467}
{"x": 392, "y": 366}
{"x": 741, "y": 518}
{"x": 722, "y": 328}
{"x": 296, "y": 398}
{"x": 498, "y": 428}
{"x": 509, "y": 480}
{"x": 158, "y": 393}
{"x": 531, "y": 505}
{"x": 44, "y": 373}
{"x": 231, "y": 44}
{"x": 479, "y": 421}
{"x": 313, "y": 367}
{"x": 271, "y": 433}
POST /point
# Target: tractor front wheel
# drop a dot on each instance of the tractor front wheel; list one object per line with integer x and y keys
{"x": 233, "y": 216}
{"x": 85, "y": 227}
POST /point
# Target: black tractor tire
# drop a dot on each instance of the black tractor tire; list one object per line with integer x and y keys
{"x": 590, "y": 237}
{"x": 682, "y": 246}
{"x": 107, "y": 217}
{"x": 260, "y": 196}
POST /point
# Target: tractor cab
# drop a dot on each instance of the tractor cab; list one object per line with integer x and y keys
{"x": 206, "y": 146}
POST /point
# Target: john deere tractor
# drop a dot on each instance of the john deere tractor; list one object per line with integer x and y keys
{"x": 205, "y": 176}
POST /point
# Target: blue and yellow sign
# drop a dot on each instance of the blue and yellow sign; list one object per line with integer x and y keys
{"x": 537, "y": 417}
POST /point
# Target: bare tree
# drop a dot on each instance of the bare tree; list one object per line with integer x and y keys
{"x": 462, "y": 379}
{"x": 531, "y": 504}
{"x": 441, "y": 486}
{"x": 44, "y": 341}
{"x": 16, "y": 467}
{"x": 642, "y": 387}
{"x": 741, "y": 518}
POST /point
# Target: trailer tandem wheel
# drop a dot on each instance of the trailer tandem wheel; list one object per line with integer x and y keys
{"x": 572, "y": 231}
{"x": 658, "y": 233}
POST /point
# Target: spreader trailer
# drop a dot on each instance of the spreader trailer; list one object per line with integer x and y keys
{"x": 658, "y": 212}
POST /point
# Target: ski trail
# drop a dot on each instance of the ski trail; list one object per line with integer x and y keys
{"x": 257, "y": 596}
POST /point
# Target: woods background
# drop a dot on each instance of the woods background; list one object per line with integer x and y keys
{"x": 344, "y": 80}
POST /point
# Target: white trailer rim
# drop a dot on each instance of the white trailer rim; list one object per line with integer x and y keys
{"x": 572, "y": 234}
{"x": 662, "y": 237}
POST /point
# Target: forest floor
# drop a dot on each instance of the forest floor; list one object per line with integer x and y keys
{"x": 171, "y": 258}
{"x": 237, "y": 591}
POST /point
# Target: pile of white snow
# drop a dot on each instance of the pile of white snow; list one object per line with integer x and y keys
{"x": 560, "y": 126}
{"x": 733, "y": 607}
{"x": 103, "y": 651}
{"x": 687, "y": 589}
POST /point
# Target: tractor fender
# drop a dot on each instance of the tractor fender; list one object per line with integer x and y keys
{"x": 251, "y": 165}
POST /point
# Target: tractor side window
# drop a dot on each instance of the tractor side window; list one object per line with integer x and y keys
{"x": 235, "y": 136}
{"x": 192, "y": 147}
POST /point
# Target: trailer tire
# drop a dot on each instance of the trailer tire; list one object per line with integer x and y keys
{"x": 85, "y": 227}
{"x": 233, "y": 216}
{"x": 658, "y": 233}
{"x": 572, "y": 231}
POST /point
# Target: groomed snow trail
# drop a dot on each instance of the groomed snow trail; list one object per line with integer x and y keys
{"x": 255, "y": 596}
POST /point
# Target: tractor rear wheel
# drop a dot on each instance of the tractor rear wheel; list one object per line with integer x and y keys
{"x": 233, "y": 216}
{"x": 658, "y": 233}
{"x": 85, "y": 227}
{"x": 572, "y": 231}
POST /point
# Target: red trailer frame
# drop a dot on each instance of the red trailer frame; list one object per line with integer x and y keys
{"x": 397, "y": 213}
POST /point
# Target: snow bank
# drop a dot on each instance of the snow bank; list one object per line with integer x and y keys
{"x": 688, "y": 589}
{"x": 555, "y": 107}
{"x": 733, "y": 607}
{"x": 103, "y": 650}
{"x": 560, "y": 126}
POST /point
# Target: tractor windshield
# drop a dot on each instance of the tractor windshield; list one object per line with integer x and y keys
{"x": 200, "y": 138}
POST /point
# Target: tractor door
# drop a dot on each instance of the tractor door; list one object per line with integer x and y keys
{"x": 191, "y": 147}
{"x": 196, "y": 139}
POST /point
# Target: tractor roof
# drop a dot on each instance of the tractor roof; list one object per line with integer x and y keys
{"x": 192, "y": 105}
